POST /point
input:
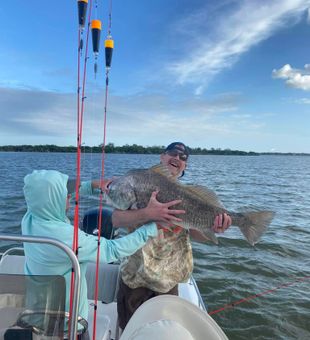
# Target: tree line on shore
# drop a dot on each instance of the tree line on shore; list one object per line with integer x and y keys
{"x": 131, "y": 149}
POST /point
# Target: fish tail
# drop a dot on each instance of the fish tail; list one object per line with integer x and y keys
{"x": 254, "y": 224}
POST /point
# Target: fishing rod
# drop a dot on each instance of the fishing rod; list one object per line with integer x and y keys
{"x": 80, "y": 114}
{"x": 82, "y": 11}
{"x": 95, "y": 34}
{"x": 109, "y": 45}
{"x": 251, "y": 297}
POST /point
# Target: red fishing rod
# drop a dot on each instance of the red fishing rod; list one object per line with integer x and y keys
{"x": 109, "y": 45}
{"x": 82, "y": 10}
{"x": 79, "y": 133}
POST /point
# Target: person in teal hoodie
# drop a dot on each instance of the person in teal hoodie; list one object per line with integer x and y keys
{"x": 46, "y": 196}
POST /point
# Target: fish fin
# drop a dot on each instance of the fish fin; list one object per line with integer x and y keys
{"x": 206, "y": 194}
{"x": 255, "y": 225}
{"x": 209, "y": 234}
{"x": 162, "y": 170}
{"x": 199, "y": 236}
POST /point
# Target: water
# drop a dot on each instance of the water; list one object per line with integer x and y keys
{"x": 234, "y": 270}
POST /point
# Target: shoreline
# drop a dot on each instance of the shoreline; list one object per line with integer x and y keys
{"x": 138, "y": 149}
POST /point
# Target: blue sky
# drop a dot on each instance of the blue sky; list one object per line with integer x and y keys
{"x": 220, "y": 73}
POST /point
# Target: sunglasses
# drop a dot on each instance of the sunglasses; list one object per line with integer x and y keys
{"x": 175, "y": 153}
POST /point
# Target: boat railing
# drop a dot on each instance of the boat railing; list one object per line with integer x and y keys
{"x": 13, "y": 251}
{"x": 201, "y": 303}
{"x": 75, "y": 266}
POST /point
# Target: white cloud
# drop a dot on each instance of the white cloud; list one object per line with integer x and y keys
{"x": 308, "y": 16}
{"x": 41, "y": 117}
{"x": 48, "y": 117}
{"x": 303, "y": 101}
{"x": 299, "y": 79}
{"x": 234, "y": 30}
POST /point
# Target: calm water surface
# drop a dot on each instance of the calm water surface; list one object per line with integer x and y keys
{"x": 233, "y": 270}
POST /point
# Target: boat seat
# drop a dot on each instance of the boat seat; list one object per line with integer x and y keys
{"x": 108, "y": 281}
{"x": 108, "y": 276}
{"x": 12, "y": 264}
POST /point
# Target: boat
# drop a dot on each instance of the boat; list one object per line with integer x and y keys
{"x": 33, "y": 307}
{"x": 43, "y": 320}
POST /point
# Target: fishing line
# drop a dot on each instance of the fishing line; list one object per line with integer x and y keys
{"x": 79, "y": 136}
{"x": 110, "y": 19}
{"x": 82, "y": 10}
{"x": 95, "y": 32}
{"x": 109, "y": 45}
{"x": 96, "y": 8}
{"x": 83, "y": 201}
{"x": 251, "y": 297}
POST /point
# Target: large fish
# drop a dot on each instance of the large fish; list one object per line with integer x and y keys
{"x": 134, "y": 190}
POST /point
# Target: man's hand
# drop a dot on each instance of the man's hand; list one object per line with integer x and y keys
{"x": 160, "y": 212}
{"x": 221, "y": 223}
{"x": 153, "y": 212}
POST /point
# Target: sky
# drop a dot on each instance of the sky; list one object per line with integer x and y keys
{"x": 229, "y": 74}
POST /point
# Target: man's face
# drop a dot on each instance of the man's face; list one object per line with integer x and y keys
{"x": 174, "y": 160}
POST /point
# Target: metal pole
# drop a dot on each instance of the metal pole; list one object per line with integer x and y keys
{"x": 200, "y": 300}
{"x": 75, "y": 265}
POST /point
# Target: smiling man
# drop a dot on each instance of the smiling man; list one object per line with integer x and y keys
{"x": 164, "y": 261}
{"x": 175, "y": 158}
